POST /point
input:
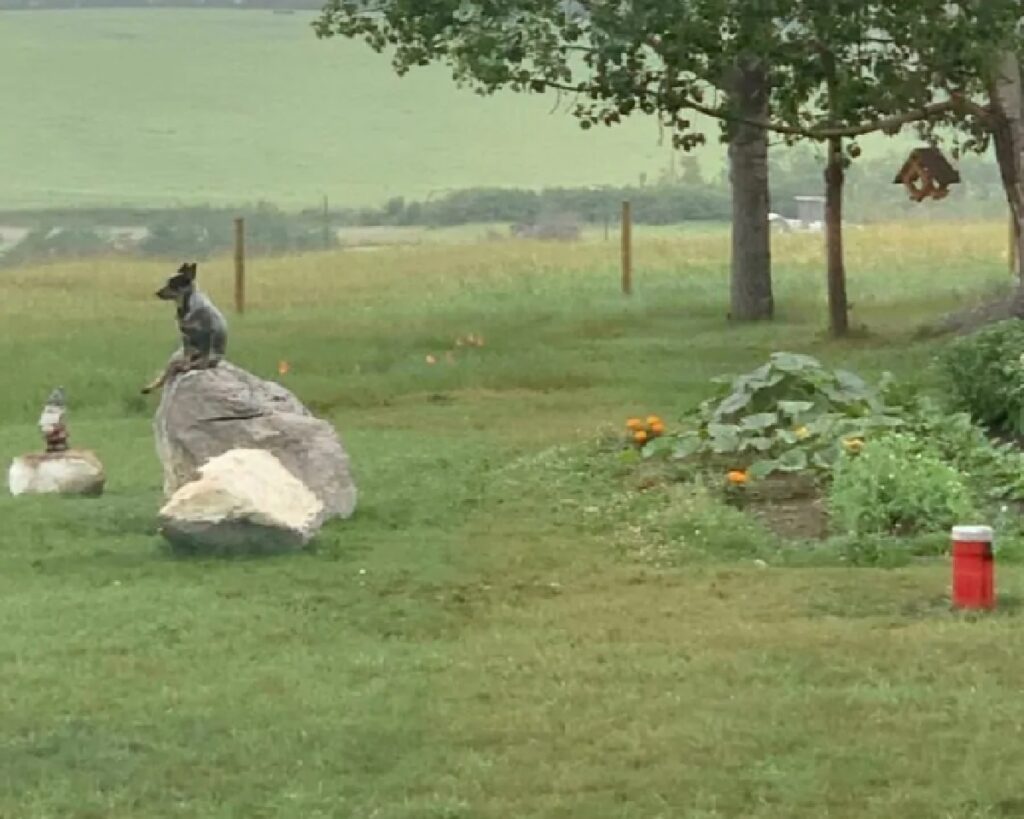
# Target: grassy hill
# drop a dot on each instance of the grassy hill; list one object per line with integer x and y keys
{"x": 180, "y": 106}
{"x": 167, "y": 107}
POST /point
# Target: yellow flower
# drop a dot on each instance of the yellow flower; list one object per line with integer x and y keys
{"x": 737, "y": 477}
{"x": 801, "y": 433}
{"x": 853, "y": 445}
{"x": 634, "y": 424}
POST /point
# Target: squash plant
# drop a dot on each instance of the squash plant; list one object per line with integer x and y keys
{"x": 789, "y": 415}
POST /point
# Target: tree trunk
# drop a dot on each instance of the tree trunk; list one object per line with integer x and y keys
{"x": 1007, "y": 96}
{"x": 834, "y": 177}
{"x": 751, "y": 277}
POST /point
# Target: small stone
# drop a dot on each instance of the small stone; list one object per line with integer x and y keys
{"x": 243, "y": 502}
{"x": 71, "y": 472}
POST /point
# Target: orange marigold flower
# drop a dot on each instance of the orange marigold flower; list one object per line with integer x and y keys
{"x": 737, "y": 477}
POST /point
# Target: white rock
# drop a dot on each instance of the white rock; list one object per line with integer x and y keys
{"x": 244, "y": 501}
{"x": 72, "y": 472}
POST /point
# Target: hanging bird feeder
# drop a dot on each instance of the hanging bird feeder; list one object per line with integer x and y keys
{"x": 927, "y": 174}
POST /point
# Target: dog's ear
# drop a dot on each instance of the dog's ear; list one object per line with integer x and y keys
{"x": 189, "y": 269}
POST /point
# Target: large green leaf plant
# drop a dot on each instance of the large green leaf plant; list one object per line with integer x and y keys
{"x": 789, "y": 415}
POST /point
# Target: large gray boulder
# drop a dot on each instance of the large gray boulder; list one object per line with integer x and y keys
{"x": 243, "y": 502}
{"x": 205, "y": 413}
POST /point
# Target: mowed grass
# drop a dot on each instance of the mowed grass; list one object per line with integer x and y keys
{"x": 489, "y": 636}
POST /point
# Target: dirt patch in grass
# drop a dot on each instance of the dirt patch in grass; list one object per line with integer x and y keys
{"x": 791, "y": 506}
{"x": 794, "y": 519}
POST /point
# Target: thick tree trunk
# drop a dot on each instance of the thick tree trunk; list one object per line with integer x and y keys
{"x": 1006, "y": 91}
{"x": 834, "y": 177}
{"x": 751, "y": 278}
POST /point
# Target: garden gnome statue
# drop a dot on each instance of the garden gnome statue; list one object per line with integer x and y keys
{"x": 59, "y": 470}
{"x": 51, "y": 422}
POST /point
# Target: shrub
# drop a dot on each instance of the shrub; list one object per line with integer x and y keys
{"x": 984, "y": 376}
{"x": 897, "y": 486}
{"x": 49, "y": 243}
{"x": 174, "y": 238}
{"x": 200, "y": 233}
{"x": 995, "y": 471}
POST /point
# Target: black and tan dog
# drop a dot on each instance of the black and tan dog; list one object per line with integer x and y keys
{"x": 204, "y": 331}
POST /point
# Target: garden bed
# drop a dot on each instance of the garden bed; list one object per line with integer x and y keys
{"x": 810, "y": 452}
{"x": 789, "y": 506}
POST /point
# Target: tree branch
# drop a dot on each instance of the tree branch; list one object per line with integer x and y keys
{"x": 893, "y": 123}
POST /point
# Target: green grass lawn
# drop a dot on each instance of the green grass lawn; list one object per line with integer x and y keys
{"x": 509, "y": 626}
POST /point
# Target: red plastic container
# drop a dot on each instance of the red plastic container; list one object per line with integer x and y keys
{"x": 973, "y": 568}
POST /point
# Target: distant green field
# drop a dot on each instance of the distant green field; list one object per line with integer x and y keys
{"x": 182, "y": 106}
{"x": 168, "y": 107}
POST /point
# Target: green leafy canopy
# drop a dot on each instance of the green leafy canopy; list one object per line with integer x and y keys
{"x": 834, "y": 67}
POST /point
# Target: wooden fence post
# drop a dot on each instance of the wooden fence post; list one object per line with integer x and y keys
{"x": 627, "y": 248}
{"x": 239, "y": 265}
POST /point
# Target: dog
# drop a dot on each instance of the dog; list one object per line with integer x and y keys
{"x": 204, "y": 330}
